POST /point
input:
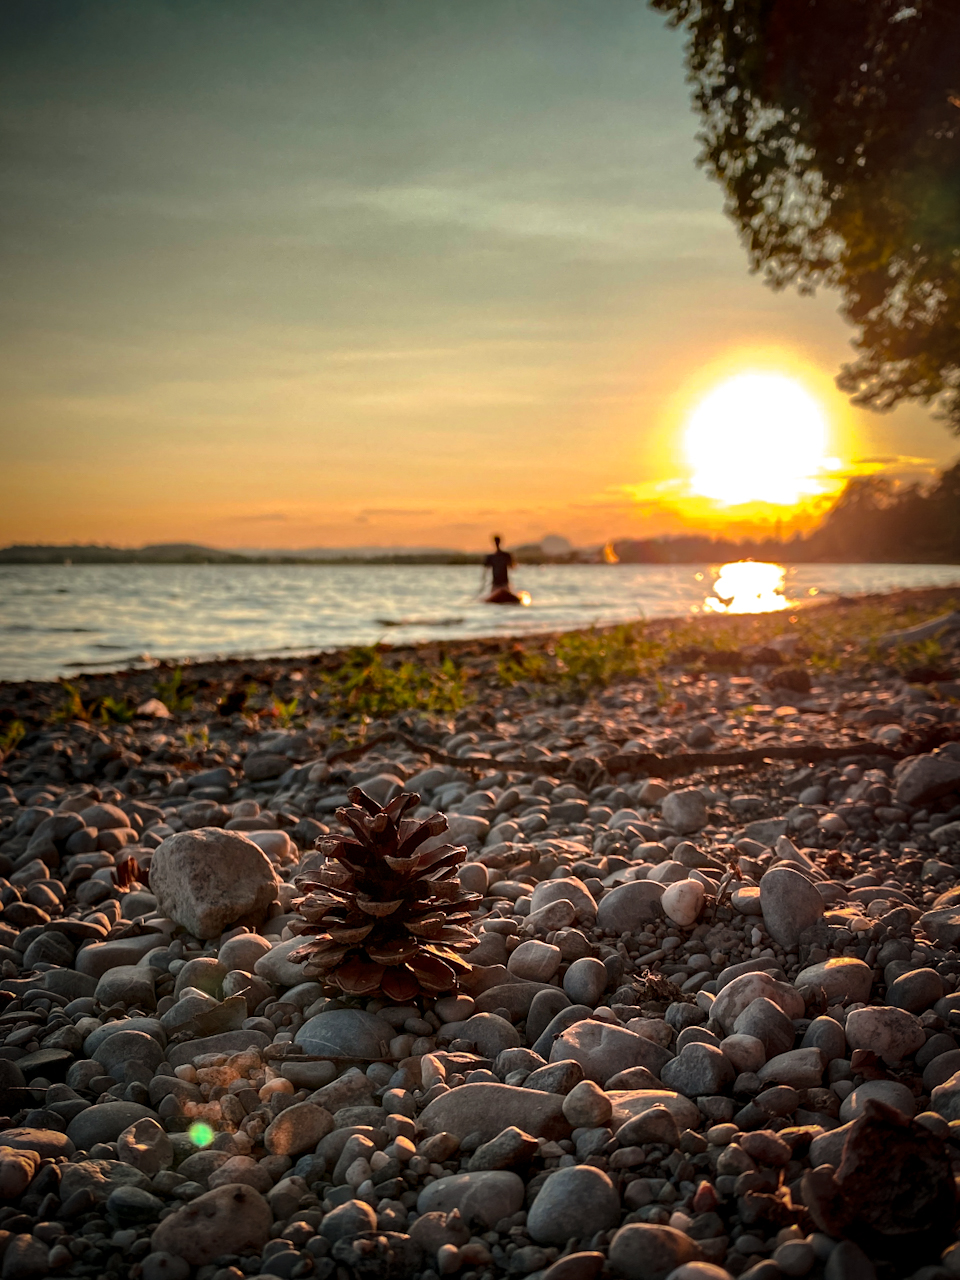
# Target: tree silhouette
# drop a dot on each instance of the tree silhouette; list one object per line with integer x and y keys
{"x": 834, "y": 126}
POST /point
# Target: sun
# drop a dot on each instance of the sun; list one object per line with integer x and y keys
{"x": 757, "y": 437}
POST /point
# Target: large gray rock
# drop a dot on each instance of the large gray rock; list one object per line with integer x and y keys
{"x": 573, "y": 1203}
{"x": 742, "y": 991}
{"x": 843, "y": 980}
{"x": 630, "y": 907}
{"x": 346, "y": 1033}
{"x": 275, "y": 967}
{"x": 105, "y": 1122}
{"x": 604, "y": 1051}
{"x": 210, "y": 879}
{"x": 574, "y": 890}
{"x": 630, "y": 1103}
{"x": 790, "y": 904}
{"x": 230, "y": 1219}
{"x": 921, "y": 779}
{"x": 99, "y": 957}
{"x": 700, "y": 1069}
{"x": 892, "y": 1034}
{"x": 488, "y": 1109}
{"x": 685, "y": 810}
{"x": 647, "y": 1251}
{"x": 485, "y": 1196}
{"x": 942, "y": 925}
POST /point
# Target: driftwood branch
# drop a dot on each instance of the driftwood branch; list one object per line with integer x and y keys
{"x": 635, "y": 763}
{"x": 923, "y": 631}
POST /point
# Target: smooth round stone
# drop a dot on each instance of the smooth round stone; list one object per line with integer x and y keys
{"x": 145, "y": 1145}
{"x": 827, "y": 1035}
{"x": 844, "y": 979}
{"x": 95, "y": 959}
{"x": 892, "y": 1034}
{"x": 655, "y": 1125}
{"x": 645, "y": 1251}
{"x": 794, "y": 1257}
{"x": 276, "y": 968}
{"x": 800, "y": 1069}
{"x": 485, "y": 1197}
{"x": 346, "y": 1033}
{"x": 116, "y": 1051}
{"x": 230, "y": 1219}
{"x": 544, "y": 1007}
{"x": 49, "y": 948}
{"x": 488, "y": 1109}
{"x": 104, "y": 817}
{"x": 277, "y": 845}
{"x": 682, "y": 902}
{"x": 308, "y": 1075}
{"x": 742, "y": 991}
{"x": 297, "y": 1129}
{"x": 490, "y": 1033}
{"x": 474, "y": 877}
{"x": 701, "y": 1069}
{"x": 348, "y": 1220}
{"x": 667, "y": 873}
{"x": 148, "y": 1026}
{"x": 209, "y": 879}
{"x": 45, "y": 1142}
{"x": 916, "y": 991}
{"x": 586, "y": 980}
{"x": 790, "y": 904}
{"x": 243, "y": 951}
{"x": 132, "y": 1206}
{"x": 104, "y": 1122}
{"x": 630, "y": 1103}
{"x": 535, "y": 960}
{"x": 129, "y": 985}
{"x": 941, "y": 1068}
{"x": 685, "y": 811}
{"x": 604, "y": 1050}
{"x": 573, "y": 1203}
{"x": 890, "y": 1092}
{"x": 569, "y": 887}
{"x": 945, "y": 1098}
{"x": 629, "y": 907}
{"x": 586, "y": 1106}
{"x": 138, "y": 904}
{"x": 745, "y": 1053}
{"x": 765, "y": 1021}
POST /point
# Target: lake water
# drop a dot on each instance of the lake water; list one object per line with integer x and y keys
{"x": 59, "y": 619}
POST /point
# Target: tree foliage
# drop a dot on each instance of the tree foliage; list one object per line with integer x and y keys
{"x": 876, "y": 521}
{"x": 834, "y": 127}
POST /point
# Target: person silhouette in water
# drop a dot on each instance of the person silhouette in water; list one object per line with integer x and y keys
{"x": 499, "y": 563}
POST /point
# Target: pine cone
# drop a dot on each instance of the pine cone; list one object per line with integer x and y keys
{"x": 384, "y": 919}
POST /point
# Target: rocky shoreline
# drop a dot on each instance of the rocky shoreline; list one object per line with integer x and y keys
{"x": 713, "y": 1027}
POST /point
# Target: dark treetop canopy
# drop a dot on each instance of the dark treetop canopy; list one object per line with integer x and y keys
{"x": 834, "y": 126}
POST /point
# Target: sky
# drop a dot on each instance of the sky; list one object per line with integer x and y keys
{"x": 379, "y": 273}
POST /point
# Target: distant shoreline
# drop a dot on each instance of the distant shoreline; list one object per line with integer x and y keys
{"x": 720, "y": 552}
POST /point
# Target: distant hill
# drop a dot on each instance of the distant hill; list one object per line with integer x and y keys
{"x": 91, "y": 553}
{"x": 193, "y": 553}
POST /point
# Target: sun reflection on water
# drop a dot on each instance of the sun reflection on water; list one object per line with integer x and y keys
{"x": 748, "y": 586}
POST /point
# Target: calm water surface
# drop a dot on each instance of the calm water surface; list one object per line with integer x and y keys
{"x": 59, "y": 619}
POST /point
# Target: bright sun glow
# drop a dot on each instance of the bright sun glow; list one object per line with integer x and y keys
{"x": 758, "y": 437}
{"x": 748, "y": 586}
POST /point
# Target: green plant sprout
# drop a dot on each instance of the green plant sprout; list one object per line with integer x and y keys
{"x": 174, "y": 694}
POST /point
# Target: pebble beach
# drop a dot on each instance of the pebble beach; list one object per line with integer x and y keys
{"x": 712, "y": 1027}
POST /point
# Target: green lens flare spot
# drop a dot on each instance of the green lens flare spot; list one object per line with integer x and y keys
{"x": 201, "y": 1135}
